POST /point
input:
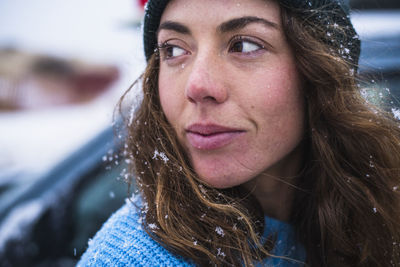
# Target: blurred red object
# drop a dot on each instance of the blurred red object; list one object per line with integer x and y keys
{"x": 142, "y": 3}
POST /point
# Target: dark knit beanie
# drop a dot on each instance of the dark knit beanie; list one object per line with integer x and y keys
{"x": 332, "y": 14}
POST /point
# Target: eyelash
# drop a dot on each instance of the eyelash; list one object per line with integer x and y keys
{"x": 162, "y": 49}
{"x": 245, "y": 39}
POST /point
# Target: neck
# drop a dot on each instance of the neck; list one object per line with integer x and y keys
{"x": 276, "y": 201}
{"x": 276, "y": 187}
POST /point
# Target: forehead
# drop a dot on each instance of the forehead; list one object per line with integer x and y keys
{"x": 203, "y": 13}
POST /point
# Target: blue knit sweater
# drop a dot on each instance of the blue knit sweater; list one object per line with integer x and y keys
{"x": 122, "y": 242}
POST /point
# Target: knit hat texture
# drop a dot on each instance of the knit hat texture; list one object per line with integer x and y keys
{"x": 328, "y": 13}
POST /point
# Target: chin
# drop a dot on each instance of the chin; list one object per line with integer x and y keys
{"x": 220, "y": 181}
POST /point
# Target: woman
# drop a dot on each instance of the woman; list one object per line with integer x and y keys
{"x": 252, "y": 145}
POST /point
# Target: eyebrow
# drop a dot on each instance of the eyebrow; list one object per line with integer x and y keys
{"x": 228, "y": 26}
{"x": 173, "y": 26}
{"x": 240, "y": 23}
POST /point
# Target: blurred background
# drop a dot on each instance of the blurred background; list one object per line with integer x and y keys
{"x": 63, "y": 67}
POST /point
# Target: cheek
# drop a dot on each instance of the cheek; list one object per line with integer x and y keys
{"x": 281, "y": 110}
{"x": 173, "y": 105}
{"x": 279, "y": 91}
{"x": 168, "y": 98}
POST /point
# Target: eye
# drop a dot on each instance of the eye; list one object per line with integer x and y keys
{"x": 242, "y": 45}
{"x": 174, "y": 51}
{"x": 169, "y": 51}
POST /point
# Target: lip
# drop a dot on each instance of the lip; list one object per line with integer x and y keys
{"x": 211, "y": 136}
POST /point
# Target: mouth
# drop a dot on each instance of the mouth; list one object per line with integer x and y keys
{"x": 211, "y": 136}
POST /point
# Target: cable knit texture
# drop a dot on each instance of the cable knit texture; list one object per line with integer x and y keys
{"x": 123, "y": 242}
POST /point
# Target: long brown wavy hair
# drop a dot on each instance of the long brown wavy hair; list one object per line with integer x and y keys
{"x": 346, "y": 207}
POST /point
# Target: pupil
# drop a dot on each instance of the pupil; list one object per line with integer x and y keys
{"x": 238, "y": 47}
{"x": 170, "y": 51}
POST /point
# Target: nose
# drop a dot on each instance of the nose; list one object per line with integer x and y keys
{"x": 205, "y": 82}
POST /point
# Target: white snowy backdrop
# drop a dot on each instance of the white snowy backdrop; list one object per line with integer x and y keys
{"x": 100, "y": 31}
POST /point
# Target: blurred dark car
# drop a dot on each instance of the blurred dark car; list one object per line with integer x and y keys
{"x": 48, "y": 221}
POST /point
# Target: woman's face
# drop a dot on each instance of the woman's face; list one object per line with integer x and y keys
{"x": 229, "y": 87}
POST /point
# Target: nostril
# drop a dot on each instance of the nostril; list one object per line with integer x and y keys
{"x": 210, "y": 98}
{"x": 203, "y": 99}
{"x": 191, "y": 100}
